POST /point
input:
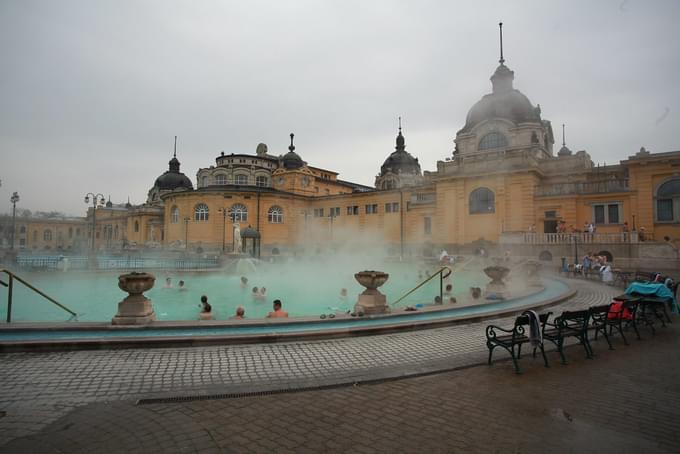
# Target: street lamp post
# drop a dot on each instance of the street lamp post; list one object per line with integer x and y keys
{"x": 186, "y": 233}
{"x": 331, "y": 216}
{"x": 14, "y": 199}
{"x": 96, "y": 199}
{"x": 575, "y": 249}
{"x": 224, "y": 228}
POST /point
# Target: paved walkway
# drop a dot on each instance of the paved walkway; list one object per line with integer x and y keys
{"x": 41, "y": 391}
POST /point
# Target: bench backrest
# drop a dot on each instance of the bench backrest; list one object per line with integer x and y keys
{"x": 524, "y": 320}
{"x": 573, "y": 319}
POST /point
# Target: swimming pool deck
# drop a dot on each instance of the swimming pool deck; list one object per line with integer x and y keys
{"x": 98, "y": 388}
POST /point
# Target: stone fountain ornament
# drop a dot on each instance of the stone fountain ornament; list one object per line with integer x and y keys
{"x": 136, "y": 309}
{"x": 497, "y": 273}
{"x": 371, "y": 301}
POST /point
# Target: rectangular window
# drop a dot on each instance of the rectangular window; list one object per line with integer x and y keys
{"x": 372, "y": 209}
{"x": 318, "y": 212}
{"x": 550, "y": 214}
{"x": 335, "y": 212}
{"x": 607, "y": 213}
{"x": 392, "y": 207}
{"x": 428, "y": 226}
{"x": 664, "y": 209}
{"x": 613, "y": 214}
{"x": 353, "y": 210}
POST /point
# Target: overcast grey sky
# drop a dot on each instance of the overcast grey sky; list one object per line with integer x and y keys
{"x": 92, "y": 92}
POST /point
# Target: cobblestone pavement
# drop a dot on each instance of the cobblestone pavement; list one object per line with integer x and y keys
{"x": 622, "y": 401}
{"x": 39, "y": 388}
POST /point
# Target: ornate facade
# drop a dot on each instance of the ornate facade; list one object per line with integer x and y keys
{"x": 502, "y": 177}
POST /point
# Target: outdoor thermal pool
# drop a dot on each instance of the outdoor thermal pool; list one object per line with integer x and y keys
{"x": 306, "y": 287}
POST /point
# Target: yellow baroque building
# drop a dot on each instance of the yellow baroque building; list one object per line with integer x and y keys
{"x": 502, "y": 179}
{"x": 502, "y": 184}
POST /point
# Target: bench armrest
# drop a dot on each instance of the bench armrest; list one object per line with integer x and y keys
{"x": 491, "y": 331}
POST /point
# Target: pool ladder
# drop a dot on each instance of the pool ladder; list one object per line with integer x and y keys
{"x": 442, "y": 276}
{"x": 10, "y": 287}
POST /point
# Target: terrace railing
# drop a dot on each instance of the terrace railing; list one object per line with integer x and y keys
{"x": 53, "y": 262}
{"x": 569, "y": 238}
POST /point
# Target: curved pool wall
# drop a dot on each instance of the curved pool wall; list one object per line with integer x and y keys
{"x": 66, "y": 336}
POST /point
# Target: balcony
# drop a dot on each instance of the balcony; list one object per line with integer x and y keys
{"x": 589, "y": 187}
{"x": 569, "y": 238}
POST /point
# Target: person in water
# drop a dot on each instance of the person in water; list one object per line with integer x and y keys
{"x": 181, "y": 286}
{"x": 277, "y": 312}
{"x": 437, "y": 300}
{"x": 449, "y": 290}
{"x": 206, "y": 308}
{"x": 244, "y": 282}
{"x": 168, "y": 283}
{"x": 240, "y": 313}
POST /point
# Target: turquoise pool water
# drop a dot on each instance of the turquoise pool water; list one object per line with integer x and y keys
{"x": 305, "y": 287}
{"x": 553, "y": 289}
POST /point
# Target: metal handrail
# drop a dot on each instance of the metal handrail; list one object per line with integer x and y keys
{"x": 10, "y": 288}
{"x": 439, "y": 272}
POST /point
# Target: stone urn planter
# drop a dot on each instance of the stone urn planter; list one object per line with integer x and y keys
{"x": 497, "y": 274}
{"x": 136, "y": 309}
{"x": 532, "y": 267}
{"x": 371, "y": 301}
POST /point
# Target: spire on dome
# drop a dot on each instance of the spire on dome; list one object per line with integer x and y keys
{"x": 174, "y": 162}
{"x": 500, "y": 28}
{"x": 401, "y": 143}
{"x": 502, "y": 78}
{"x": 291, "y": 147}
{"x": 564, "y": 151}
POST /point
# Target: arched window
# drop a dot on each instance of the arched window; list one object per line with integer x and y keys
{"x": 204, "y": 181}
{"x": 482, "y": 201}
{"x": 174, "y": 215}
{"x": 261, "y": 181}
{"x": 115, "y": 232}
{"x": 136, "y": 226}
{"x": 47, "y": 235}
{"x": 668, "y": 201}
{"x": 77, "y": 232}
{"x": 221, "y": 179}
{"x": 493, "y": 140}
{"x": 241, "y": 180}
{"x": 22, "y": 229}
{"x": 238, "y": 213}
{"x": 70, "y": 232}
{"x": 201, "y": 212}
{"x": 275, "y": 215}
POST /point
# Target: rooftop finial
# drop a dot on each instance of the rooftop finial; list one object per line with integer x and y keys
{"x": 174, "y": 154}
{"x": 563, "y": 141}
{"x": 292, "y": 147}
{"x": 399, "y": 125}
{"x": 500, "y": 27}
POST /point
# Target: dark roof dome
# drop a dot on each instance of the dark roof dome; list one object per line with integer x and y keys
{"x": 400, "y": 161}
{"x": 504, "y": 102}
{"x": 292, "y": 160}
{"x": 564, "y": 151}
{"x": 173, "y": 178}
